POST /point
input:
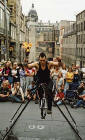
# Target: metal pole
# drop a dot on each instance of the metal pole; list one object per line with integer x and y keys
{"x": 6, "y": 31}
{"x": 10, "y": 128}
{"x": 76, "y": 132}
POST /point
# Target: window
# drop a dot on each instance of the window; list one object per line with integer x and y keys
{"x": 81, "y": 26}
{"x": 1, "y": 18}
{"x": 84, "y": 25}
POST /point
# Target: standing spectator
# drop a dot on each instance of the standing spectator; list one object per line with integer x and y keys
{"x": 54, "y": 75}
{"x": 29, "y": 76}
{"x": 69, "y": 79}
{"x": 1, "y": 77}
{"x": 15, "y": 73}
{"x": 59, "y": 81}
{"x": 73, "y": 67}
{"x": 22, "y": 77}
{"x": 6, "y": 71}
{"x": 64, "y": 71}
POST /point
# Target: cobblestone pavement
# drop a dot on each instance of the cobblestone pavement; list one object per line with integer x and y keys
{"x": 30, "y": 126}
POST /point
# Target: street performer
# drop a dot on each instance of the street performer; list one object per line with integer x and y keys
{"x": 43, "y": 76}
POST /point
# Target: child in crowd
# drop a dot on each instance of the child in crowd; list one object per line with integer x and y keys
{"x": 59, "y": 97}
{"x": 31, "y": 91}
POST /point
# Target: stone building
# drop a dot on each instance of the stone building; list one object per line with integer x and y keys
{"x": 69, "y": 44}
{"x": 41, "y": 35}
{"x": 62, "y": 25}
{"x": 80, "y": 21}
{"x": 18, "y": 30}
{"x": 4, "y": 30}
{"x": 45, "y": 39}
{"x": 32, "y": 21}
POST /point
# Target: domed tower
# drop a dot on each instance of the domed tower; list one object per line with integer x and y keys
{"x": 32, "y": 15}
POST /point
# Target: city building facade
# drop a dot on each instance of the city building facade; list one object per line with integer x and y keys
{"x": 62, "y": 25}
{"x": 69, "y": 44}
{"x": 80, "y": 23}
{"x": 4, "y": 30}
{"x": 43, "y": 36}
{"x": 18, "y": 31}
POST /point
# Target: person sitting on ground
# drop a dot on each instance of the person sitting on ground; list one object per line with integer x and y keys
{"x": 17, "y": 93}
{"x": 81, "y": 88}
{"x": 4, "y": 92}
{"x": 31, "y": 94}
{"x": 59, "y": 97}
{"x": 81, "y": 101}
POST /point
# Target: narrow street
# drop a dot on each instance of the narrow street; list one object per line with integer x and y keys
{"x": 30, "y": 126}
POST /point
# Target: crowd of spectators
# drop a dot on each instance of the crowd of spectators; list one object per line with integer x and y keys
{"x": 17, "y": 82}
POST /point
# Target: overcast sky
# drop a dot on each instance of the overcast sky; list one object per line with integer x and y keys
{"x": 54, "y": 10}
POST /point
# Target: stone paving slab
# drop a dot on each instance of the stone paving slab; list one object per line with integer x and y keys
{"x": 31, "y": 127}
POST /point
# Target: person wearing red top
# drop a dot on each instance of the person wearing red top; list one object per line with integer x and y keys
{"x": 1, "y": 77}
{"x": 29, "y": 75}
{"x": 59, "y": 96}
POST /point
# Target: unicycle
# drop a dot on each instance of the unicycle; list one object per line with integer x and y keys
{"x": 43, "y": 108}
{"x": 43, "y": 102}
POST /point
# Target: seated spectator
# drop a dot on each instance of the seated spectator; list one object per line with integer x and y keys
{"x": 58, "y": 97}
{"x": 8, "y": 84}
{"x": 17, "y": 93}
{"x": 31, "y": 94}
{"x": 81, "y": 88}
{"x": 4, "y": 92}
{"x": 80, "y": 102}
{"x": 28, "y": 94}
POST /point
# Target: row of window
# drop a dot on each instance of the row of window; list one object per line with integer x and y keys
{"x": 81, "y": 26}
{"x": 72, "y": 39}
{"x": 81, "y": 39}
{"x": 81, "y": 52}
{"x": 44, "y": 29}
{"x": 69, "y": 51}
{"x": 2, "y": 17}
{"x": 69, "y": 40}
{"x": 80, "y": 16}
